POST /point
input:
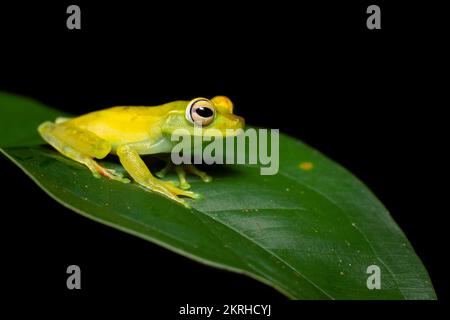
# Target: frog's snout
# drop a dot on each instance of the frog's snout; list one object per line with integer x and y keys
{"x": 235, "y": 122}
{"x": 240, "y": 122}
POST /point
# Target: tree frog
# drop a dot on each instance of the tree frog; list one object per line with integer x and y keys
{"x": 132, "y": 131}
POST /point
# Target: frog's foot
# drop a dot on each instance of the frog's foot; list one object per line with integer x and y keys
{"x": 181, "y": 173}
{"x": 192, "y": 169}
{"x": 109, "y": 173}
{"x": 168, "y": 189}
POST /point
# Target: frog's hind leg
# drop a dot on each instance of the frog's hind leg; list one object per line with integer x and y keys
{"x": 81, "y": 146}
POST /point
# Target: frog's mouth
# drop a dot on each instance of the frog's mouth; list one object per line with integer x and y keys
{"x": 209, "y": 132}
{"x": 228, "y": 126}
{"x": 216, "y": 133}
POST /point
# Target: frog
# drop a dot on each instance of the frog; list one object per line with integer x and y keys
{"x": 131, "y": 132}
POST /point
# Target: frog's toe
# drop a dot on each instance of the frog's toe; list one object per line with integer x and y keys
{"x": 180, "y": 192}
{"x": 111, "y": 174}
{"x": 183, "y": 202}
{"x": 173, "y": 183}
{"x": 192, "y": 169}
{"x": 96, "y": 174}
{"x": 118, "y": 178}
{"x": 168, "y": 189}
{"x": 206, "y": 178}
{"x": 193, "y": 195}
{"x": 184, "y": 185}
{"x": 114, "y": 172}
{"x": 123, "y": 180}
{"x": 163, "y": 172}
{"x": 198, "y": 196}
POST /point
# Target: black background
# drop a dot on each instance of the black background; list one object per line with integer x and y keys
{"x": 368, "y": 99}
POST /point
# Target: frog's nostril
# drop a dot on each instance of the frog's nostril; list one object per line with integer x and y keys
{"x": 234, "y": 121}
{"x": 240, "y": 121}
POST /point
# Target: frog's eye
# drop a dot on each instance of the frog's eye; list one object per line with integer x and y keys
{"x": 200, "y": 112}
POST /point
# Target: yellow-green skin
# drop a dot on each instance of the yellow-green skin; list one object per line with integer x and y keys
{"x": 130, "y": 132}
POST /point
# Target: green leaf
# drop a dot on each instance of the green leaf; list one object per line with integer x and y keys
{"x": 311, "y": 234}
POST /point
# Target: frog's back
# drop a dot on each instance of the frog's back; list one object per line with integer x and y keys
{"x": 122, "y": 124}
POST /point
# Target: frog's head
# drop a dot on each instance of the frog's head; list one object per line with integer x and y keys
{"x": 203, "y": 113}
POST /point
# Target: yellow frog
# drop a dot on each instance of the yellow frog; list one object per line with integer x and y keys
{"x": 129, "y": 132}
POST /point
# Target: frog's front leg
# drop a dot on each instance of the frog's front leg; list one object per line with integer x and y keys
{"x": 129, "y": 155}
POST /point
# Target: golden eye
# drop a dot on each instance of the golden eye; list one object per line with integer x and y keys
{"x": 200, "y": 112}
